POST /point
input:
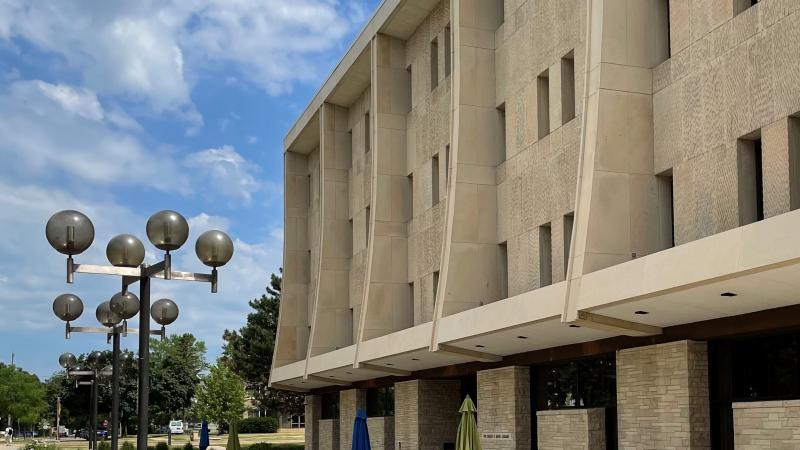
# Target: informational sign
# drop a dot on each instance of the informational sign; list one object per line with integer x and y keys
{"x": 497, "y": 436}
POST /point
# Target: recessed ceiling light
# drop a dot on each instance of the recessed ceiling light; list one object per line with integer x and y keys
{"x": 574, "y": 326}
{"x": 389, "y": 364}
{"x": 522, "y": 337}
{"x": 415, "y": 359}
{"x": 349, "y": 373}
{"x": 479, "y": 346}
{"x": 728, "y": 294}
{"x": 641, "y": 313}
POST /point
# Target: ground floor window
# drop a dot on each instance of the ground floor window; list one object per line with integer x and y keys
{"x": 750, "y": 369}
{"x": 585, "y": 383}
{"x": 330, "y": 405}
{"x": 380, "y": 402}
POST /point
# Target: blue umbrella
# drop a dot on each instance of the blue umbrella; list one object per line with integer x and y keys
{"x": 360, "y": 432}
{"x": 204, "y": 436}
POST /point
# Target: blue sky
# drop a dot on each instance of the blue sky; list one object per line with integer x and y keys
{"x": 120, "y": 109}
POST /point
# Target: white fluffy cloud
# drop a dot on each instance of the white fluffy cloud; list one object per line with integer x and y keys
{"x": 154, "y": 50}
{"x": 224, "y": 170}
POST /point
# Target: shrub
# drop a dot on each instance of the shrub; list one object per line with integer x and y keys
{"x": 127, "y": 445}
{"x": 259, "y": 425}
{"x": 162, "y": 446}
{"x": 260, "y": 446}
{"x": 103, "y": 445}
{"x": 188, "y": 446}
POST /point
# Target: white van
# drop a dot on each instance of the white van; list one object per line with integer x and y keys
{"x": 176, "y": 427}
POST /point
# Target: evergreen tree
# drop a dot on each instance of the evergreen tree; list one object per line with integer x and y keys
{"x": 248, "y": 352}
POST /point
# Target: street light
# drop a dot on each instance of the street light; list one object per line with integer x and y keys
{"x": 94, "y": 362}
{"x": 71, "y": 232}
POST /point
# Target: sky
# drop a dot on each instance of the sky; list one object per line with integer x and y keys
{"x": 121, "y": 109}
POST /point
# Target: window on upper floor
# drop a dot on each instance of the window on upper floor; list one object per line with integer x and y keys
{"x": 411, "y": 300}
{"x": 367, "y": 139}
{"x": 446, "y": 164}
{"x": 545, "y": 255}
{"x": 663, "y": 47}
{"x": 750, "y": 179}
{"x": 435, "y": 180}
{"x": 666, "y": 210}
{"x": 569, "y": 220}
{"x": 410, "y": 87}
{"x": 794, "y": 162}
{"x": 502, "y": 269}
{"x": 367, "y": 227}
{"x": 411, "y": 192}
{"x": 350, "y": 139}
{"x": 740, "y": 6}
{"x": 435, "y": 286}
{"x": 448, "y": 51}
{"x": 434, "y": 63}
{"x": 543, "y": 103}
{"x": 501, "y": 133}
{"x": 568, "y": 87}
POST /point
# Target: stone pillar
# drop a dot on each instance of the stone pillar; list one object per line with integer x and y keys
{"x": 329, "y": 434}
{"x": 349, "y": 402}
{"x": 381, "y": 433}
{"x": 504, "y": 408}
{"x": 662, "y": 397}
{"x": 426, "y": 414}
{"x": 571, "y": 429}
{"x": 313, "y": 412}
{"x": 773, "y": 424}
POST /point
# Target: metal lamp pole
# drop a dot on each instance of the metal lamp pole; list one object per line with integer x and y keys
{"x": 69, "y": 362}
{"x": 71, "y": 232}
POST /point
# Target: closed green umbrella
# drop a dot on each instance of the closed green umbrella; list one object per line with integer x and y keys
{"x": 468, "y": 438}
{"x": 233, "y": 436}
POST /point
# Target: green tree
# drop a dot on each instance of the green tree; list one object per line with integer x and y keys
{"x": 220, "y": 397}
{"x": 21, "y": 395}
{"x": 248, "y": 352}
{"x": 175, "y": 367}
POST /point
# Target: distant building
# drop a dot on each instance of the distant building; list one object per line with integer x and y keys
{"x": 581, "y": 213}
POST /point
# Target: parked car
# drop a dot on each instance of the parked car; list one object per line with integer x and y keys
{"x": 176, "y": 426}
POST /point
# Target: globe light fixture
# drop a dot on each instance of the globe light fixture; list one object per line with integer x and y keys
{"x": 125, "y": 304}
{"x": 69, "y": 232}
{"x": 67, "y": 360}
{"x": 167, "y": 230}
{"x": 164, "y": 311}
{"x": 95, "y": 359}
{"x": 214, "y": 248}
{"x": 107, "y": 317}
{"x": 125, "y": 250}
{"x": 68, "y": 307}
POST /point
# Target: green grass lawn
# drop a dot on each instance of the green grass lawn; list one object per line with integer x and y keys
{"x": 286, "y": 439}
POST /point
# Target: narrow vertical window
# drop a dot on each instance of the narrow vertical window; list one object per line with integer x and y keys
{"x": 434, "y": 63}
{"x": 663, "y": 49}
{"x": 545, "y": 256}
{"x": 750, "y": 180}
{"x": 352, "y": 327}
{"x": 569, "y": 220}
{"x": 543, "y": 103}
{"x": 411, "y": 302}
{"x": 501, "y": 145}
{"x": 435, "y": 180}
{"x": 666, "y": 210}
{"x": 794, "y": 163}
{"x": 367, "y": 140}
{"x": 446, "y": 165}
{"x": 350, "y": 140}
{"x": 502, "y": 269}
{"x": 367, "y": 227}
{"x": 435, "y": 286}
{"x": 410, "y": 87}
{"x": 568, "y": 87}
{"x": 411, "y": 192}
{"x": 740, "y": 6}
{"x": 448, "y": 61}
{"x": 353, "y": 244}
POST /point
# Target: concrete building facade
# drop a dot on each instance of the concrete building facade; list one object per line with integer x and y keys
{"x": 580, "y": 213}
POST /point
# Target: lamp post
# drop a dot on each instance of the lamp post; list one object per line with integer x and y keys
{"x": 94, "y": 361}
{"x": 71, "y": 233}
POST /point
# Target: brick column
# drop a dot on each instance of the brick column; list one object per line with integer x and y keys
{"x": 381, "y": 433}
{"x": 662, "y": 397}
{"x": 313, "y": 412}
{"x": 571, "y": 429}
{"x": 349, "y": 402}
{"x": 504, "y": 408}
{"x": 329, "y": 434}
{"x": 426, "y": 414}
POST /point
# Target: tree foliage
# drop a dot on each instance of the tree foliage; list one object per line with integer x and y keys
{"x": 248, "y": 352}
{"x": 220, "y": 397}
{"x": 175, "y": 367}
{"x": 21, "y": 395}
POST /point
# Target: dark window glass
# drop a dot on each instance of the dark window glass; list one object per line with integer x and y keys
{"x": 587, "y": 383}
{"x": 330, "y": 405}
{"x": 750, "y": 369}
{"x": 469, "y": 386}
{"x": 380, "y": 402}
